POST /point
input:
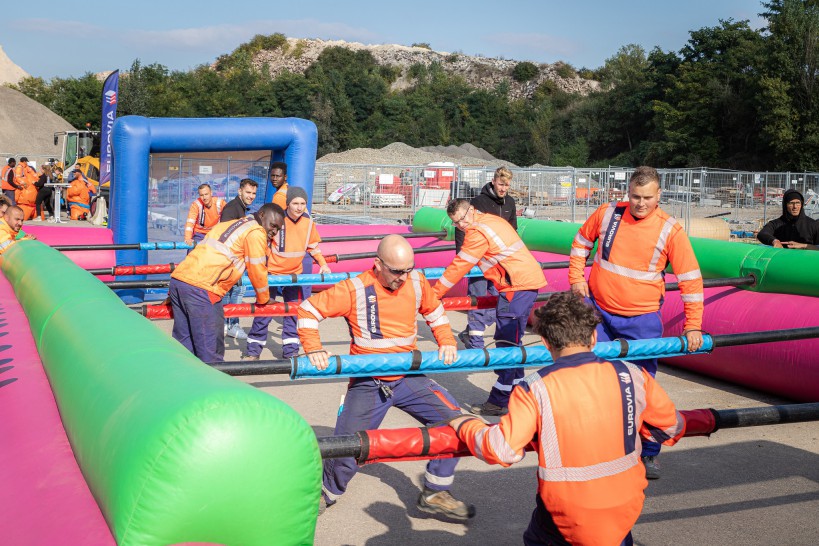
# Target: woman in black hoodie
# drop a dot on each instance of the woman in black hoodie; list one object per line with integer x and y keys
{"x": 793, "y": 229}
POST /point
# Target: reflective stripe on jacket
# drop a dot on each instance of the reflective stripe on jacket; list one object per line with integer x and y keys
{"x": 295, "y": 239}
{"x": 5, "y": 177}
{"x": 380, "y": 321}
{"x": 494, "y": 246}
{"x": 201, "y": 218}
{"x": 587, "y": 416}
{"x": 627, "y": 275}
{"x": 219, "y": 261}
{"x": 7, "y": 236}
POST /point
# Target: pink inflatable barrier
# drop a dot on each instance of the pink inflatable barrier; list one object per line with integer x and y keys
{"x": 45, "y": 499}
{"x": 88, "y": 259}
{"x": 789, "y": 369}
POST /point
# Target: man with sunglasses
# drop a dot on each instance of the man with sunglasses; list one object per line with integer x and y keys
{"x": 211, "y": 269}
{"x": 380, "y": 307}
{"x": 492, "y": 244}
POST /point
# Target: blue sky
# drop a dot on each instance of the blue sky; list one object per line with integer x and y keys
{"x": 47, "y": 38}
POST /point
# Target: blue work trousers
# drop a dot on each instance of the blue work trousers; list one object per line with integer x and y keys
{"x": 10, "y": 195}
{"x": 234, "y": 295}
{"x": 257, "y": 338}
{"x": 647, "y": 326}
{"x": 511, "y": 314}
{"x": 479, "y": 320}
{"x": 365, "y": 406}
{"x": 197, "y": 323}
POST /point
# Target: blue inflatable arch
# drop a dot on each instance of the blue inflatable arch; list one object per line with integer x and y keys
{"x": 134, "y": 138}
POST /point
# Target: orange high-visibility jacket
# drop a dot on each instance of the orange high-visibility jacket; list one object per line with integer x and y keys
{"x": 24, "y": 175}
{"x": 7, "y": 236}
{"x": 492, "y": 244}
{"x": 587, "y": 416}
{"x": 219, "y": 261}
{"x": 380, "y": 321}
{"x": 627, "y": 275}
{"x": 280, "y": 197}
{"x": 5, "y": 177}
{"x": 293, "y": 242}
{"x": 202, "y": 218}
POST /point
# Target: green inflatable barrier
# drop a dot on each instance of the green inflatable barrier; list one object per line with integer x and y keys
{"x": 172, "y": 450}
{"x": 777, "y": 270}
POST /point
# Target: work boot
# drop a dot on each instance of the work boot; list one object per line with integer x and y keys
{"x": 652, "y": 467}
{"x": 464, "y": 337}
{"x": 444, "y": 504}
{"x": 236, "y": 331}
{"x": 488, "y": 408}
{"x": 249, "y": 357}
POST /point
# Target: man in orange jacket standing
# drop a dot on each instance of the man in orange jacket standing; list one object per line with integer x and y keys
{"x": 207, "y": 273}
{"x": 278, "y": 178}
{"x": 586, "y": 416}
{"x": 637, "y": 240}
{"x": 203, "y": 214}
{"x": 9, "y": 180}
{"x": 492, "y": 244}
{"x": 380, "y": 307}
{"x": 298, "y": 237}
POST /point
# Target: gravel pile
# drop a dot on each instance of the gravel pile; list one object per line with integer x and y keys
{"x": 399, "y": 153}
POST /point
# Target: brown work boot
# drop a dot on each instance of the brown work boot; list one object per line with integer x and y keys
{"x": 442, "y": 503}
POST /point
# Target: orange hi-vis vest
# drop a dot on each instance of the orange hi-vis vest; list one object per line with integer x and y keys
{"x": 5, "y": 174}
{"x": 294, "y": 240}
{"x": 7, "y": 236}
{"x": 492, "y": 244}
{"x": 380, "y": 320}
{"x": 280, "y": 197}
{"x": 219, "y": 261}
{"x": 202, "y": 218}
{"x": 627, "y": 275}
{"x": 587, "y": 416}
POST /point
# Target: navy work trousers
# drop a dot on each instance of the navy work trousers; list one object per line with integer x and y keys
{"x": 512, "y": 313}
{"x": 647, "y": 326}
{"x": 257, "y": 338}
{"x": 365, "y": 406}
{"x": 479, "y": 320}
{"x": 197, "y": 323}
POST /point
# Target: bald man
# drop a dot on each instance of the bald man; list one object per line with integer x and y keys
{"x": 380, "y": 307}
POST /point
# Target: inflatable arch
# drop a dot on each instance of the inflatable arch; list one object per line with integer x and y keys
{"x": 134, "y": 138}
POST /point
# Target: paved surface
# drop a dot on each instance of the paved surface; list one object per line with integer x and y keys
{"x": 751, "y": 486}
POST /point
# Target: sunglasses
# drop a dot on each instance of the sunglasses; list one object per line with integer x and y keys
{"x": 397, "y": 272}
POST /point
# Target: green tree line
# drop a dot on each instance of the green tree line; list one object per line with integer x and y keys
{"x": 732, "y": 97}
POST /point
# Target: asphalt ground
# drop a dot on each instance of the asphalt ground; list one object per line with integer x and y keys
{"x": 748, "y": 486}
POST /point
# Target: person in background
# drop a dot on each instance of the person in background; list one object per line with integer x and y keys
{"x": 298, "y": 237}
{"x": 45, "y": 194}
{"x": 204, "y": 213}
{"x": 493, "y": 199}
{"x": 586, "y": 416}
{"x": 207, "y": 273}
{"x": 278, "y": 178}
{"x": 636, "y": 241}
{"x": 794, "y": 229}
{"x": 381, "y": 307}
{"x": 9, "y": 179}
{"x": 238, "y": 207}
{"x": 78, "y": 197}
{"x": 24, "y": 175}
{"x": 26, "y": 199}
{"x": 492, "y": 244}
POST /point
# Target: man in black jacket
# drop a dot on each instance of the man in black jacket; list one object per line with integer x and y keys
{"x": 493, "y": 199}
{"x": 794, "y": 229}
{"x": 235, "y": 209}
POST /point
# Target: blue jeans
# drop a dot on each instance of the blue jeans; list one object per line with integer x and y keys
{"x": 646, "y": 326}
{"x": 234, "y": 295}
{"x": 364, "y": 408}
{"x": 511, "y": 313}
{"x": 197, "y": 323}
{"x": 479, "y": 320}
